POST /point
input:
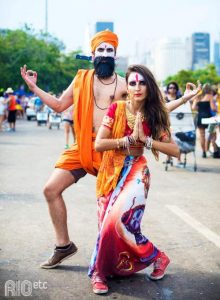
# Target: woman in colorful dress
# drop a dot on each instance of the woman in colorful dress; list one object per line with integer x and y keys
{"x": 123, "y": 180}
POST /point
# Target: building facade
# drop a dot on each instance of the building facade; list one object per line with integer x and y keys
{"x": 217, "y": 56}
{"x": 170, "y": 57}
{"x": 200, "y": 50}
{"x": 100, "y": 26}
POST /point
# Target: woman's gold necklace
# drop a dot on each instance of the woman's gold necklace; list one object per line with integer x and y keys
{"x": 131, "y": 118}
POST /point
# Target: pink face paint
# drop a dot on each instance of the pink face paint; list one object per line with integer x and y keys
{"x": 135, "y": 77}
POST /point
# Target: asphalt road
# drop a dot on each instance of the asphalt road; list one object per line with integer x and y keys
{"x": 181, "y": 218}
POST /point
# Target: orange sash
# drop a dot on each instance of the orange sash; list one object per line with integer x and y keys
{"x": 112, "y": 161}
{"x": 83, "y": 121}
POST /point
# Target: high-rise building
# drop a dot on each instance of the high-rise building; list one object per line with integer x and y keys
{"x": 170, "y": 57}
{"x": 200, "y": 50}
{"x": 217, "y": 56}
{"x": 100, "y": 26}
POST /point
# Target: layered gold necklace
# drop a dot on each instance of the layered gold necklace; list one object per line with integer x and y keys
{"x": 131, "y": 118}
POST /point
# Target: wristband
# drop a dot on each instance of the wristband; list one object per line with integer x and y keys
{"x": 149, "y": 142}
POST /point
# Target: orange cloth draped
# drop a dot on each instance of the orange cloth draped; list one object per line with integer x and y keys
{"x": 82, "y": 154}
{"x": 112, "y": 161}
{"x": 105, "y": 36}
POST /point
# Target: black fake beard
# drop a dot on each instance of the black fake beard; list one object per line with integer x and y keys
{"x": 104, "y": 66}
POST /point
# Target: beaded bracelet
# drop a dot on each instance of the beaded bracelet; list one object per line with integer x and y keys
{"x": 149, "y": 142}
{"x": 131, "y": 140}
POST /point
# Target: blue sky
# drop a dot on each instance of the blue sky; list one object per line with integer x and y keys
{"x": 141, "y": 21}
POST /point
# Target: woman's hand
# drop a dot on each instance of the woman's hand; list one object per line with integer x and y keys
{"x": 29, "y": 76}
{"x": 135, "y": 133}
{"x": 141, "y": 134}
{"x": 191, "y": 90}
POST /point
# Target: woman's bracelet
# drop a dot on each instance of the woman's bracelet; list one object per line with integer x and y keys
{"x": 149, "y": 142}
{"x": 123, "y": 143}
{"x": 183, "y": 100}
{"x": 131, "y": 140}
{"x": 118, "y": 144}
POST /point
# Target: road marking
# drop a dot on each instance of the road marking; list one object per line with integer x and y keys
{"x": 209, "y": 234}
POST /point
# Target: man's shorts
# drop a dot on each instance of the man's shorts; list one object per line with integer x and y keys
{"x": 70, "y": 161}
{"x": 78, "y": 173}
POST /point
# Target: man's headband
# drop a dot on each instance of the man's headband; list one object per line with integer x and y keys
{"x": 105, "y": 36}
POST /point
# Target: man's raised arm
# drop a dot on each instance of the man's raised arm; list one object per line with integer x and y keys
{"x": 58, "y": 105}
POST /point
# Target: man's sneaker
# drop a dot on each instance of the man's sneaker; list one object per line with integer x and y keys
{"x": 99, "y": 286}
{"x": 160, "y": 265}
{"x": 58, "y": 256}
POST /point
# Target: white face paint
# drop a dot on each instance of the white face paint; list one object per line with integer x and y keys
{"x": 137, "y": 87}
{"x": 135, "y": 78}
{"x": 105, "y": 49}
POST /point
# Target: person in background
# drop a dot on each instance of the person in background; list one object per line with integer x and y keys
{"x": 212, "y": 128}
{"x": 173, "y": 93}
{"x": 67, "y": 119}
{"x": 2, "y": 109}
{"x": 11, "y": 102}
{"x": 38, "y": 104}
{"x": 204, "y": 103}
{"x": 19, "y": 108}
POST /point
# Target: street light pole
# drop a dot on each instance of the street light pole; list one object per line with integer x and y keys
{"x": 46, "y": 17}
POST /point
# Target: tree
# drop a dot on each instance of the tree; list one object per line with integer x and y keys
{"x": 42, "y": 53}
{"x": 206, "y": 75}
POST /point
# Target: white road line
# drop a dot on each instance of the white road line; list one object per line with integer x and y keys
{"x": 209, "y": 234}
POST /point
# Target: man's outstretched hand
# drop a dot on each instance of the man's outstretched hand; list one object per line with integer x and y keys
{"x": 29, "y": 76}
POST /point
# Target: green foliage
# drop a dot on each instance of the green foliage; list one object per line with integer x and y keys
{"x": 40, "y": 52}
{"x": 121, "y": 73}
{"x": 206, "y": 75}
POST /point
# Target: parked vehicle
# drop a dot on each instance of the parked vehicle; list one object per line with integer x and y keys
{"x": 30, "y": 111}
{"x": 54, "y": 120}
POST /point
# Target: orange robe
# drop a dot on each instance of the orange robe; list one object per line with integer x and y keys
{"x": 82, "y": 154}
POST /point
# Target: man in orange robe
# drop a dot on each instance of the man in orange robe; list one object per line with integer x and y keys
{"x": 91, "y": 92}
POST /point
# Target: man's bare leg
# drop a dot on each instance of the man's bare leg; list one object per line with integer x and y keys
{"x": 57, "y": 183}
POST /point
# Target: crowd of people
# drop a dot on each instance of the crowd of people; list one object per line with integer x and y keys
{"x": 204, "y": 105}
{"x": 14, "y": 106}
{"x": 114, "y": 119}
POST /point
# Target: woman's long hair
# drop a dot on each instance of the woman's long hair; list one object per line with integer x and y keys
{"x": 207, "y": 89}
{"x": 155, "y": 111}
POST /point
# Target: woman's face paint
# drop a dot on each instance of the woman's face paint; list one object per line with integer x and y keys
{"x": 137, "y": 87}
